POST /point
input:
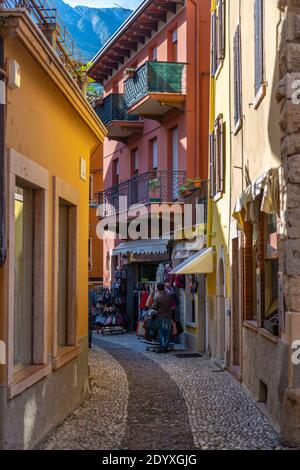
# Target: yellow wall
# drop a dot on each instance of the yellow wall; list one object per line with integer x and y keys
{"x": 44, "y": 127}
{"x": 219, "y": 210}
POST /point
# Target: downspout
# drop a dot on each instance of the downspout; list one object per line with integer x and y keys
{"x": 2, "y": 213}
{"x": 2, "y": 159}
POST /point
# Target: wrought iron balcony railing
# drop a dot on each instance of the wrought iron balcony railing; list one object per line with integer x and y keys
{"x": 114, "y": 108}
{"x": 155, "y": 77}
{"x": 150, "y": 187}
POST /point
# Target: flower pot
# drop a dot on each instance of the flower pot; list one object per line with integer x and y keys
{"x": 155, "y": 199}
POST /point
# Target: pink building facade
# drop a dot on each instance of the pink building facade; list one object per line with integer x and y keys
{"x": 155, "y": 74}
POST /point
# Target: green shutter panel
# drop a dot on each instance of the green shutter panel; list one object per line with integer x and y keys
{"x": 213, "y": 45}
{"x": 258, "y": 26}
{"x": 237, "y": 75}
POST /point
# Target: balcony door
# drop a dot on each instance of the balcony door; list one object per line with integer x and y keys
{"x": 175, "y": 163}
{"x": 134, "y": 177}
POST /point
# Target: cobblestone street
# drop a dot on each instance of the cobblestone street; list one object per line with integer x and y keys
{"x": 143, "y": 400}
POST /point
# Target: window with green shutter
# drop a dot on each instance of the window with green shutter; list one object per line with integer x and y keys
{"x": 217, "y": 157}
{"x": 258, "y": 44}
{"x": 237, "y": 76}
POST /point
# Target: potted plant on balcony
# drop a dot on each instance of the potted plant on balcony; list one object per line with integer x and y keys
{"x": 184, "y": 190}
{"x": 194, "y": 184}
{"x": 154, "y": 186}
{"x": 129, "y": 72}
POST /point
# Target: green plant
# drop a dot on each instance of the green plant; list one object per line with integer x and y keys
{"x": 154, "y": 184}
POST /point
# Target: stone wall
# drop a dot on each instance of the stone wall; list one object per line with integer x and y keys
{"x": 288, "y": 96}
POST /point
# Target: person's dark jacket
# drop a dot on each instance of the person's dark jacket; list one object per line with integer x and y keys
{"x": 163, "y": 303}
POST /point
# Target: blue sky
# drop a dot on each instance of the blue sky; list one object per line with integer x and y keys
{"x": 132, "y": 4}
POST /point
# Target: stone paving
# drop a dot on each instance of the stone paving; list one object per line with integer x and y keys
{"x": 143, "y": 400}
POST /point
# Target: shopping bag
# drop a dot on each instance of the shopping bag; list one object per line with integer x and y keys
{"x": 140, "y": 330}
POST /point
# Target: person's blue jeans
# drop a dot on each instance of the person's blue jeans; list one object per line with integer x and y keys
{"x": 164, "y": 332}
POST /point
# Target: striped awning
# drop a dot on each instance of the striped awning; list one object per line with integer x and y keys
{"x": 142, "y": 247}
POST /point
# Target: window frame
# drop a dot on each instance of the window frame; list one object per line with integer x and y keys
{"x": 70, "y": 194}
{"x": 259, "y": 52}
{"x": 217, "y": 159}
{"x": 237, "y": 81}
{"x": 36, "y": 177}
{"x": 218, "y": 38}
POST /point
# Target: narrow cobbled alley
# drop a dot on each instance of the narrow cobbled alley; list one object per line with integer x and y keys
{"x": 143, "y": 400}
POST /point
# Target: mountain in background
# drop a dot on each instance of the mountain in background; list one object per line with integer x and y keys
{"x": 91, "y": 27}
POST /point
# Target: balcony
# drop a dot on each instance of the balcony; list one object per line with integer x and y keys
{"x": 148, "y": 188}
{"x": 113, "y": 113}
{"x": 155, "y": 89}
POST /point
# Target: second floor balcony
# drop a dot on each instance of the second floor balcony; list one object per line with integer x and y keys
{"x": 113, "y": 113}
{"x": 157, "y": 186}
{"x": 155, "y": 88}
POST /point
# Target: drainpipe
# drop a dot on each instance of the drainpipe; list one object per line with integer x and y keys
{"x": 2, "y": 157}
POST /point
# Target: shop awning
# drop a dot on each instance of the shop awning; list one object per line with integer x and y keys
{"x": 185, "y": 249}
{"x": 200, "y": 263}
{"x": 142, "y": 247}
{"x": 247, "y": 207}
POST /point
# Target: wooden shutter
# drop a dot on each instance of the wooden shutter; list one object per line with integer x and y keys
{"x": 221, "y": 155}
{"x": 212, "y": 164}
{"x": 237, "y": 76}
{"x": 213, "y": 44}
{"x": 259, "y": 42}
{"x": 221, "y": 30}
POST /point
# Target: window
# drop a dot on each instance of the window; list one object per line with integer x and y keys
{"x": 65, "y": 216}
{"x": 175, "y": 163}
{"x": 217, "y": 157}
{"x": 262, "y": 262}
{"x": 27, "y": 302}
{"x": 24, "y": 272}
{"x": 90, "y": 254}
{"x": 217, "y": 37}
{"x": 115, "y": 170}
{"x": 134, "y": 162}
{"x": 154, "y": 154}
{"x": 174, "y": 49}
{"x": 237, "y": 78}
{"x": 135, "y": 181}
{"x": 270, "y": 256}
{"x": 154, "y": 53}
{"x": 258, "y": 44}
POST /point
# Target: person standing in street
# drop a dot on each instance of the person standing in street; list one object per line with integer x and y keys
{"x": 163, "y": 303}
{"x": 92, "y": 308}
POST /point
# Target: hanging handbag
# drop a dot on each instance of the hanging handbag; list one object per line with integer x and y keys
{"x": 174, "y": 328}
{"x": 179, "y": 327}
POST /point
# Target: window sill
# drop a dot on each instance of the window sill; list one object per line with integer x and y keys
{"x": 27, "y": 377}
{"x": 251, "y": 325}
{"x": 218, "y": 71}
{"x": 260, "y": 95}
{"x": 238, "y": 126}
{"x": 65, "y": 355}
{"x": 265, "y": 334}
{"x": 218, "y": 197}
{"x": 190, "y": 325}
